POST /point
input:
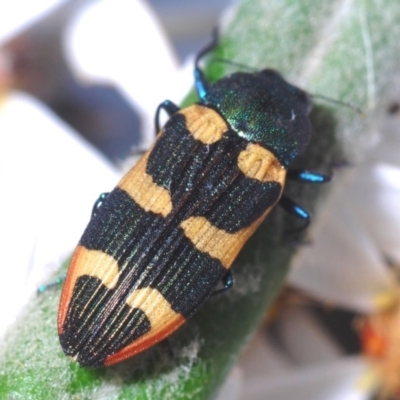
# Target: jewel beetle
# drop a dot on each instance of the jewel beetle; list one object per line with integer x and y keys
{"x": 158, "y": 245}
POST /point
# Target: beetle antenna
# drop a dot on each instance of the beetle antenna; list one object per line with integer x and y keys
{"x": 210, "y": 46}
{"x": 339, "y": 103}
{"x": 200, "y": 80}
{"x": 319, "y": 96}
{"x": 234, "y": 64}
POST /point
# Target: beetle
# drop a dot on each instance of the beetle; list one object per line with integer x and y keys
{"x": 159, "y": 244}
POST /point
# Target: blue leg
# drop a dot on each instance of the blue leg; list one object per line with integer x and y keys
{"x": 300, "y": 175}
{"x": 199, "y": 78}
{"x": 304, "y": 176}
{"x": 57, "y": 282}
{"x": 99, "y": 202}
{"x": 169, "y": 107}
{"x": 297, "y": 211}
{"x": 227, "y": 282}
{"x": 200, "y": 82}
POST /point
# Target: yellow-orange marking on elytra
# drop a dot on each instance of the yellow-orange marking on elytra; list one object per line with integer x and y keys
{"x": 163, "y": 321}
{"x": 216, "y": 242}
{"x": 93, "y": 263}
{"x": 205, "y": 124}
{"x": 258, "y": 163}
{"x": 141, "y": 187}
{"x": 154, "y": 305}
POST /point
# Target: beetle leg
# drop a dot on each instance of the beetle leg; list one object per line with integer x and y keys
{"x": 297, "y": 211}
{"x": 227, "y": 283}
{"x": 169, "y": 107}
{"x": 306, "y": 176}
{"x": 44, "y": 288}
{"x": 99, "y": 202}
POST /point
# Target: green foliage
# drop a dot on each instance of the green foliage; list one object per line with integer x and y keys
{"x": 347, "y": 50}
